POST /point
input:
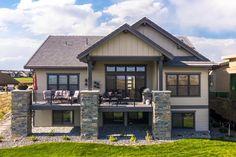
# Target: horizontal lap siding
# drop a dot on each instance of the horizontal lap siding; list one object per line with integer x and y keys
{"x": 125, "y": 44}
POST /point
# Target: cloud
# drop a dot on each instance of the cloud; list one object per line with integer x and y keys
{"x": 129, "y": 11}
{"x": 214, "y": 49}
{"x": 51, "y": 17}
{"x": 14, "y": 52}
{"x": 215, "y": 16}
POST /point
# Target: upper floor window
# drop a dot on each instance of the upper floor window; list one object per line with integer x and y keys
{"x": 63, "y": 82}
{"x": 183, "y": 84}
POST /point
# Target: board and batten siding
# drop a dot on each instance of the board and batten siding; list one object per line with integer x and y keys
{"x": 162, "y": 41}
{"x": 125, "y": 44}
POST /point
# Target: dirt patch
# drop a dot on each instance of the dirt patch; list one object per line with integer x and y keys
{"x": 5, "y": 104}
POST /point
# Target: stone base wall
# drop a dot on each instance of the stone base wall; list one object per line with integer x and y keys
{"x": 89, "y": 114}
{"x": 161, "y": 127}
{"x": 21, "y": 121}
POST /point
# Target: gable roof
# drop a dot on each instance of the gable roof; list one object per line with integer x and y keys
{"x": 126, "y": 28}
{"x": 6, "y": 79}
{"x": 169, "y": 36}
{"x": 61, "y": 52}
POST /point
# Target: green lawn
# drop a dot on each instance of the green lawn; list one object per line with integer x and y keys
{"x": 27, "y": 80}
{"x": 190, "y": 147}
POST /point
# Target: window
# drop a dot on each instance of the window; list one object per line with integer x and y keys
{"x": 113, "y": 117}
{"x": 63, "y": 117}
{"x": 126, "y": 68}
{"x": 63, "y": 82}
{"x": 183, "y": 120}
{"x": 183, "y": 84}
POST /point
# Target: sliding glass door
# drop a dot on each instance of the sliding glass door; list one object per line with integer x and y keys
{"x": 127, "y": 80}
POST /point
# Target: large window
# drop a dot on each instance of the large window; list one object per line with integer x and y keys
{"x": 63, "y": 117}
{"x": 63, "y": 82}
{"x": 113, "y": 117}
{"x": 128, "y": 80}
{"x": 183, "y": 84}
{"x": 183, "y": 120}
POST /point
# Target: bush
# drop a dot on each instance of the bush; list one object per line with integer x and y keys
{"x": 33, "y": 138}
{"x": 22, "y": 86}
{"x": 113, "y": 138}
{"x": 223, "y": 130}
{"x": 66, "y": 138}
{"x": 1, "y": 138}
{"x": 215, "y": 125}
{"x": 51, "y": 133}
{"x": 133, "y": 138}
{"x": 148, "y": 136}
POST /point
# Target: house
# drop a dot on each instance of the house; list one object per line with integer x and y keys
{"x": 129, "y": 59}
{"x": 223, "y": 78}
{"x": 7, "y": 81}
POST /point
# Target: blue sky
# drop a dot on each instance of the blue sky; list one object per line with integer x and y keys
{"x": 25, "y": 24}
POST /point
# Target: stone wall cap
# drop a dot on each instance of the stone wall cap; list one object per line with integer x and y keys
{"x": 21, "y": 91}
{"x": 157, "y": 91}
{"x": 90, "y": 91}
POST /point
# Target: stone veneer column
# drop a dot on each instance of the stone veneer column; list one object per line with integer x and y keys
{"x": 161, "y": 127}
{"x": 21, "y": 119}
{"x": 89, "y": 114}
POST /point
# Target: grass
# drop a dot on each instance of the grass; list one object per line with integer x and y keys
{"x": 27, "y": 80}
{"x": 188, "y": 147}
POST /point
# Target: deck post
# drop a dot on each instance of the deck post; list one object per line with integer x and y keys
{"x": 160, "y": 66}
{"x": 90, "y": 75}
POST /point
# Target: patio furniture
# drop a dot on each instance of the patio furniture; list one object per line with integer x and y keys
{"x": 75, "y": 97}
{"x": 47, "y": 96}
{"x": 62, "y": 95}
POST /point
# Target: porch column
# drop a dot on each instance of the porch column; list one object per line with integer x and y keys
{"x": 89, "y": 114}
{"x": 90, "y": 77}
{"x": 160, "y": 66}
{"x": 21, "y": 119}
{"x": 161, "y": 124}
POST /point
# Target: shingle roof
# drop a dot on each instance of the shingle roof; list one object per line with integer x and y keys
{"x": 188, "y": 61}
{"x": 6, "y": 79}
{"x": 61, "y": 51}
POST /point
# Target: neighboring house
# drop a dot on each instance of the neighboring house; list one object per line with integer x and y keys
{"x": 129, "y": 59}
{"x": 7, "y": 81}
{"x": 223, "y": 78}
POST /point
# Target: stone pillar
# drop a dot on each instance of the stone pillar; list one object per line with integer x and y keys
{"x": 89, "y": 114}
{"x": 21, "y": 119}
{"x": 161, "y": 127}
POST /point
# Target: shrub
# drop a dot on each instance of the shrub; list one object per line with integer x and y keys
{"x": 215, "y": 125}
{"x": 133, "y": 138}
{"x": 223, "y": 130}
{"x": 1, "y": 138}
{"x": 22, "y": 86}
{"x": 33, "y": 138}
{"x": 113, "y": 138}
{"x": 148, "y": 136}
{"x": 51, "y": 133}
{"x": 66, "y": 138}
